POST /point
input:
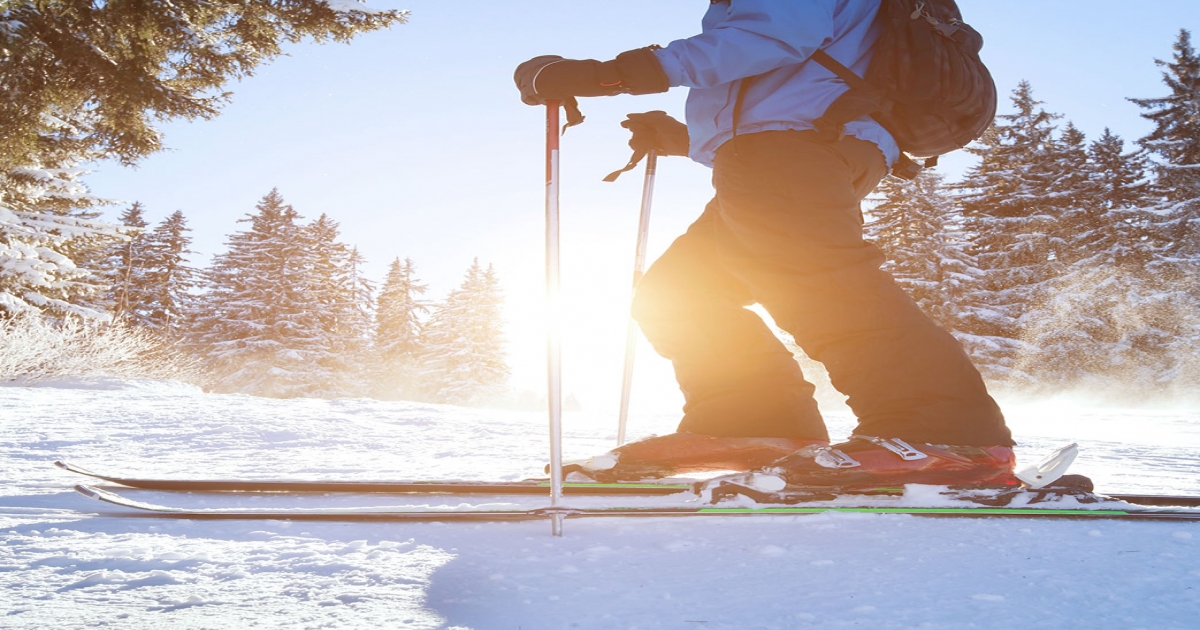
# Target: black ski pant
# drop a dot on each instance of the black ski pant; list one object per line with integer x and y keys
{"x": 785, "y": 231}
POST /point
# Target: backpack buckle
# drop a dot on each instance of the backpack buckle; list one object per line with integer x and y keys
{"x": 919, "y": 12}
{"x": 906, "y": 168}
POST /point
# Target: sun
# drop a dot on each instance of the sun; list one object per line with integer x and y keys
{"x": 594, "y": 322}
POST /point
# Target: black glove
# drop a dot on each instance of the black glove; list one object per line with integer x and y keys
{"x": 551, "y": 77}
{"x": 653, "y": 131}
{"x": 656, "y": 131}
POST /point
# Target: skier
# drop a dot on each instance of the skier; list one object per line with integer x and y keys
{"x": 785, "y": 231}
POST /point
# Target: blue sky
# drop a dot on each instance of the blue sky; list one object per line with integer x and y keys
{"x": 415, "y": 141}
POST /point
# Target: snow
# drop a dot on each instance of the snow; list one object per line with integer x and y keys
{"x": 69, "y": 562}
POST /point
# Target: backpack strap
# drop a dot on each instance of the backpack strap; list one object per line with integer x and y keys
{"x": 861, "y": 100}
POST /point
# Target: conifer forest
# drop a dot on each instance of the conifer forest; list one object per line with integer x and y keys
{"x": 1058, "y": 260}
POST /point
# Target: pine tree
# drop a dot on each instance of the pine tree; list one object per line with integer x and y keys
{"x": 1108, "y": 225}
{"x": 1173, "y": 224}
{"x": 124, "y": 267}
{"x": 255, "y": 325}
{"x": 398, "y": 331}
{"x": 360, "y": 311}
{"x": 46, "y": 227}
{"x": 169, "y": 278}
{"x": 1069, "y": 198}
{"x": 1176, "y": 135}
{"x": 1010, "y": 215}
{"x": 339, "y": 298}
{"x": 464, "y": 361}
{"x": 147, "y": 276}
{"x": 85, "y": 79}
{"x": 1175, "y": 143}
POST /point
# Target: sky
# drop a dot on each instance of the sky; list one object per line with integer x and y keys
{"x": 414, "y": 139}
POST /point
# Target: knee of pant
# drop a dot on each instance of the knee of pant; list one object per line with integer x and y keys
{"x": 647, "y": 304}
{"x": 656, "y": 299}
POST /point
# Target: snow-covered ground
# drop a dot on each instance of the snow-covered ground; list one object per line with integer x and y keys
{"x": 68, "y": 562}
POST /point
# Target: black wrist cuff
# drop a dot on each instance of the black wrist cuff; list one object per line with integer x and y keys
{"x": 635, "y": 72}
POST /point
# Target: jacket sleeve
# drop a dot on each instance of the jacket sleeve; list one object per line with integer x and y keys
{"x": 755, "y": 36}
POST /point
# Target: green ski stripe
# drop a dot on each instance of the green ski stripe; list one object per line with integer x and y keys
{"x": 903, "y": 510}
{"x": 592, "y": 484}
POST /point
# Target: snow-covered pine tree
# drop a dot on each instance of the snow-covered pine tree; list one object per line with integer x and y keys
{"x": 1010, "y": 216}
{"x": 169, "y": 278}
{"x": 361, "y": 315}
{"x": 1114, "y": 228}
{"x": 398, "y": 338}
{"x": 256, "y": 326}
{"x": 124, "y": 267}
{"x": 342, "y": 325}
{"x": 46, "y": 225}
{"x": 464, "y": 361}
{"x": 1175, "y": 145}
{"x": 1174, "y": 225}
{"x": 87, "y": 79}
{"x": 1069, "y": 196}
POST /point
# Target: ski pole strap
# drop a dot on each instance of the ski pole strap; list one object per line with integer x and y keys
{"x": 574, "y": 116}
{"x": 633, "y": 162}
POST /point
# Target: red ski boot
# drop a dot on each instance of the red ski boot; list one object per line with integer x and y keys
{"x": 870, "y": 462}
{"x": 679, "y": 453}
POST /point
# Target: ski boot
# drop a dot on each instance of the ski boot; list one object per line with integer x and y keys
{"x": 868, "y": 465}
{"x": 867, "y": 462}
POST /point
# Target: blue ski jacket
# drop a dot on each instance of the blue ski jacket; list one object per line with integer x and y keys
{"x": 771, "y": 40}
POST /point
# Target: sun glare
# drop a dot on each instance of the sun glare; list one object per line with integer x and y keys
{"x": 594, "y": 317}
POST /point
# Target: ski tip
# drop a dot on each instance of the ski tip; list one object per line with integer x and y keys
{"x": 88, "y": 492}
{"x": 69, "y": 467}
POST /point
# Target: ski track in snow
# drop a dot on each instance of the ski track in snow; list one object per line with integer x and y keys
{"x": 68, "y": 562}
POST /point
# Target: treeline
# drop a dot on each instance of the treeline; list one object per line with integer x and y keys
{"x": 287, "y": 312}
{"x": 1061, "y": 262}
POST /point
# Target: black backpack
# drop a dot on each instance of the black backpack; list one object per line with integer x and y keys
{"x": 925, "y": 84}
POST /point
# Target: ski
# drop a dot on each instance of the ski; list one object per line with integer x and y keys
{"x": 140, "y": 508}
{"x": 531, "y": 486}
{"x": 528, "y": 487}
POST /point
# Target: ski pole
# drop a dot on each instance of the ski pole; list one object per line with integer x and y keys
{"x": 553, "y": 334}
{"x": 639, "y": 264}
